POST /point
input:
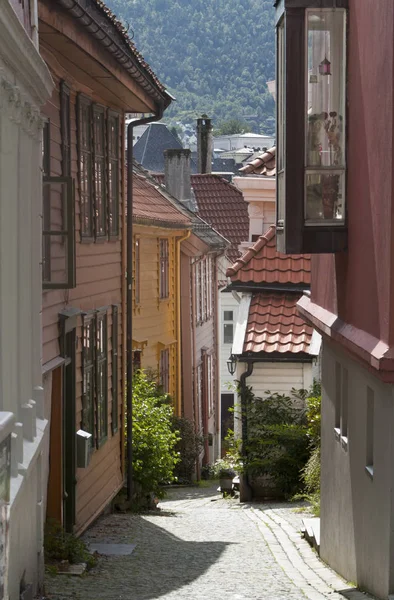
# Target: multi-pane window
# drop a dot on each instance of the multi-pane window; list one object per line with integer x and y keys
{"x": 210, "y": 383}
{"x": 137, "y": 276}
{"x": 228, "y": 327}
{"x": 85, "y": 166}
{"x": 204, "y": 289}
{"x": 95, "y": 376}
{"x": 101, "y": 377}
{"x": 199, "y": 375}
{"x": 99, "y": 170}
{"x": 198, "y": 292}
{"x": 209, "y": 287}
{"x": 164, "y": 287}
{"x": 58, "y": 227}
{"x": 114, "y": 357}
{"x": 100, "y": 195}
{"x": 88, "y": 385}
{"x": 164, "y": 370}
{"x": 65, "y": 128}
{"x": 113, "y": 173}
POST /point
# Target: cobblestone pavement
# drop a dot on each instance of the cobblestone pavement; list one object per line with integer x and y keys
{"x": 200, "y": 546}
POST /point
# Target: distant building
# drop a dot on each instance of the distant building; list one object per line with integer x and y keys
{"x": 242, "y": 140}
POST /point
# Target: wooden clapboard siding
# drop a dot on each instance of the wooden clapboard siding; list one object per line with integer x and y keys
{"x": 279, "y": 377}
{"x": 154, "y": 319}
{"x": 99, "y": 279}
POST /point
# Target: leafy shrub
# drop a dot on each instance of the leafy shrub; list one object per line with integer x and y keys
{"x": 277, "y": 443}
{"x": 311, "y": 471}
{"x": 189, "y": 447}
{"x": 154, "y": 439}
{"x": 59, "y": 546}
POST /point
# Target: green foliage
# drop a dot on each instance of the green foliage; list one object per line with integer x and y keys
{"x": 311, "y": 471}
{"x": 154, "y": 439}
{"x": 59, "y": 546}
{"x": 277, "y": 445}
{"x": 232, "y": 126}
{"x": 215, "y": 56}
{"x": 188, "y": 447}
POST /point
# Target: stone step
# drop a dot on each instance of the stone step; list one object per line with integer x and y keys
{"x": 311, "y": 532}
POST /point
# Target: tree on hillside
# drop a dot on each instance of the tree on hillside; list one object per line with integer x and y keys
{"x": 232, "y": 126}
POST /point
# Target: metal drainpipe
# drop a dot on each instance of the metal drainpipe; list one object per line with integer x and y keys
{"x": 129, "y": 296}
{"x": 245, "y": 489}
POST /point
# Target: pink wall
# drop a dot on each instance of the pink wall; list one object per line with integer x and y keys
{"x": 357, "y": 285}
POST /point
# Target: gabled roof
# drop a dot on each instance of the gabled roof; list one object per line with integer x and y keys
{"x": 151, "y": 207}
{"x": 102, "y": 24}
{"x": 265, "y": 164}
{"x": 148, "y": 150}
{"x": 263, "y": 264}
{"x": 275, "y": 326}
{"x": 222, "y": 206}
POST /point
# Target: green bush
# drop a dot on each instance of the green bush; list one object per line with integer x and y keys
{"x": 189, "y": 447}
{"x": 59, "y": 546}
{"x": 154, "y": 439}
{"x": 311, "y": 471}
{"x": 277, "y": 443}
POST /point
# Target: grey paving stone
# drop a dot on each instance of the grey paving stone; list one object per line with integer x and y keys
{"x": 201, "y": 547}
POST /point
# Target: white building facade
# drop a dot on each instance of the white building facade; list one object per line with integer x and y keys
{"x": 25, "y": 85}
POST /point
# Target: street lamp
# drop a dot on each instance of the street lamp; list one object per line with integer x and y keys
{"x": 232, "y": 364}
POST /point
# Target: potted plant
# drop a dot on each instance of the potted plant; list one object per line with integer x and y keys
{"x": 225, "y": 472}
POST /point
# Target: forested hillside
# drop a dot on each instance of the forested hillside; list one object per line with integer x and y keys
{"x": 215, "y": 56}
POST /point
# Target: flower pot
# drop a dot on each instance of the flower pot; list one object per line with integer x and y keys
{"x": 226, "y": 485}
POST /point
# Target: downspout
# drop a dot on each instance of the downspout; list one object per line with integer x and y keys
{"x": 178, "y": 408}
{"x": 129, "y": 295}
{"x": 245, "y": 489}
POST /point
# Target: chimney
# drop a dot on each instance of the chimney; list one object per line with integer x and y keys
{"x": 177, "y": 176}
{"x": 204, "y": 144}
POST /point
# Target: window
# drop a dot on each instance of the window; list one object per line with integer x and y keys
{"x": 95, "y": 377}
{"x": 311, "y": 121}
{"x": 209, "y": 286}
{"x": 210, "y": 383}
{"x": 203, "y": 291}
{"x": 199, "y": 375}
{"x": 164, "y": 370}
{"x": 88, "y": 358}
{"x": 58, "y": 223}
{"x": 101, "y": 377}
{"x": 198, "y": 292}
{"x": 113, "y": 173}
{"x": 100, "y": 195}
{"x": 164, "y": 269}
{"x": 114, "y": 359}
{"x": 137, "y": 354}
{"x": 228, "y": 327}
{"x": 85, "y": 166}
{"x": 370, "y": 416}
{"x": 99, "y": 138}
{"x": 137, "y": 274}
{"x": 65, "y": 129}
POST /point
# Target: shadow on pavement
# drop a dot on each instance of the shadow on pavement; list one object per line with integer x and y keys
{"x": 161, "y": 563}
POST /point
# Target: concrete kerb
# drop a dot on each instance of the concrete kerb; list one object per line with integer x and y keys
{"x": 298, "y": 560}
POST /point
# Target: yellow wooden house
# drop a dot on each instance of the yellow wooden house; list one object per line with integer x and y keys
{"x": 159, "y": 227}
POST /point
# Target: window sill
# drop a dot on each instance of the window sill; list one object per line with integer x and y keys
{"x": 337, "y": 433}
{"x": 344, "y": 442}
{"x": 86, "y": 239}
{"x": 369, "y": 471}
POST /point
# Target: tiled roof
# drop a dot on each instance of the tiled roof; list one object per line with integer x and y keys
{"x": 275, "y": 326}
{"x": 265, "y": 164}
{"x": 263, "y": 264}
{"x": 101, "y": 22}
{"x": 222, "y": 206}
{"x": 150, "y": 206}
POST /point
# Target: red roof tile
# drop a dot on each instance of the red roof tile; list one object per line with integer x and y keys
{"x": 222, "y": 206}
{"x": 150, "y": 206}
{"x": 265, "y": 164}
{"x": 262, "y": 263}
{"x": 275, "y": 326}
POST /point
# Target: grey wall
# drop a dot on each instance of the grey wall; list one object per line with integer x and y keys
{"x": 356, "y": 511}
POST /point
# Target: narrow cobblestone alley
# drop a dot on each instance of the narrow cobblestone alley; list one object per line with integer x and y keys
{"x": 200, "y": 546}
